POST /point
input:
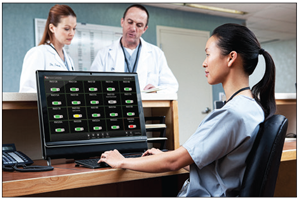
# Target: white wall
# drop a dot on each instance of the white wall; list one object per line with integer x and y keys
{"x": 284, "y": 56}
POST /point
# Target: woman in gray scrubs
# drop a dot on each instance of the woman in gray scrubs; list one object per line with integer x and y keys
{"x": 215, "y": 154}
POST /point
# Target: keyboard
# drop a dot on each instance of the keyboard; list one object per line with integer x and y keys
{"x": 93, "y": 162}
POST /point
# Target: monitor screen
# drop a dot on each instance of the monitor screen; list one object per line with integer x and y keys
{"x": 85, "y": 113}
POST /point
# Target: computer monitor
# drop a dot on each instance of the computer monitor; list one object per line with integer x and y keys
{"x": 82, "y": 114}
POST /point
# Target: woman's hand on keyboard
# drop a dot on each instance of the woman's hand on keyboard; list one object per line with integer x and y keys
{"x": 152, "y": 151}
{"x": 113, "y": 158}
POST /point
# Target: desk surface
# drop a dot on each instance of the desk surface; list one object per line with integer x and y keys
{"x": 67, "y": 176}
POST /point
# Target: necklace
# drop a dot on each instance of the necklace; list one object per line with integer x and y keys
{"x": 245, "y": 88}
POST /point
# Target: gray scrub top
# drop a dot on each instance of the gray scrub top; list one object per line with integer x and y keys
{"x": 219, "y": 148}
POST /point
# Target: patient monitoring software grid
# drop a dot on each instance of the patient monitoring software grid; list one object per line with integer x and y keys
{"x": 81, "y": 108}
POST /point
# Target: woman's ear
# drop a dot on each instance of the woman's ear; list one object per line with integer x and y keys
{"x": 232, "y": 56}
{"x": 51, "y": 28}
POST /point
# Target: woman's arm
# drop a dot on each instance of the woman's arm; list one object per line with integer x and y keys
{"x": 162, "y": 162}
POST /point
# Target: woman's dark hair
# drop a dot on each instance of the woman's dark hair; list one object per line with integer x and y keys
{"x": 235, "y": 37}
{"x": 140, "y": 7}
{"x": 54, "y": 17}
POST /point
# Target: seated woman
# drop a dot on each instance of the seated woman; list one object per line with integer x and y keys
{"x": 215, "y": 154}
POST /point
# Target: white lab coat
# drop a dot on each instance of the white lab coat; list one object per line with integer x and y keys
{"x": 42, "y": 57}
{"x": 152, "y": 67}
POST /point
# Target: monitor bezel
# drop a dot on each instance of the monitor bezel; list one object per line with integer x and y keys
{"x": 52, "y": 149}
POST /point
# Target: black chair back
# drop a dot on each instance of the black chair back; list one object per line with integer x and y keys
{"x": 264, "y": 159}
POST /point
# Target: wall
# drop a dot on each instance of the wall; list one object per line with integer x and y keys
{"x": 18, "y": 37}
{"x": 284, "y": 56}
{"x": 18, "y": 28}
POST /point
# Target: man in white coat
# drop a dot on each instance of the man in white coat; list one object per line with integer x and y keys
{"x": 132, "y": 54}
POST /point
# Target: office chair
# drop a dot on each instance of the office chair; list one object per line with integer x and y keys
{"x": 264, "y": 159}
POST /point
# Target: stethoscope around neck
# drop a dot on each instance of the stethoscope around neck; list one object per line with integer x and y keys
{"x": 51, "y": 45}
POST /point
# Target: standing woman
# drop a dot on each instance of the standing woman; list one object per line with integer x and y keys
{"x": 49, "y": 54}
{"x": 216, "y": 153}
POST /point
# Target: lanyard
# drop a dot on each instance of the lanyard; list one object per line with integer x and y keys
{"x": 137, "y": 57}
{"x": 245, "y": 88}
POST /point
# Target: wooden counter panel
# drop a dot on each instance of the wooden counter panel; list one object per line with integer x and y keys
{"x": 158, "y": 103}
{"x": 19, "y": 105}
{"x": 290, "y": 145}
{"x": 286, "y": 101}
{"x": 289, "y": 151}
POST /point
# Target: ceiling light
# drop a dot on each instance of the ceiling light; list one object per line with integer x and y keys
{"x": 215, "y": 8}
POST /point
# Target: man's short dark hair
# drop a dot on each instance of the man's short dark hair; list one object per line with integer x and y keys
{"x": 140, "y": 7}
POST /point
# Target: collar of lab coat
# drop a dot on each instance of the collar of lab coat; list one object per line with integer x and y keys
{"x": 57, "y": 58}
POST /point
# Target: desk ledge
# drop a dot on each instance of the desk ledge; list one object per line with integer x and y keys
{"x": 15, "y": 96}
{"x": 159, "y": 96}
{"x": 285, "y": 96}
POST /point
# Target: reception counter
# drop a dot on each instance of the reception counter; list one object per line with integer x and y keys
{"x": 20, "y": 126}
